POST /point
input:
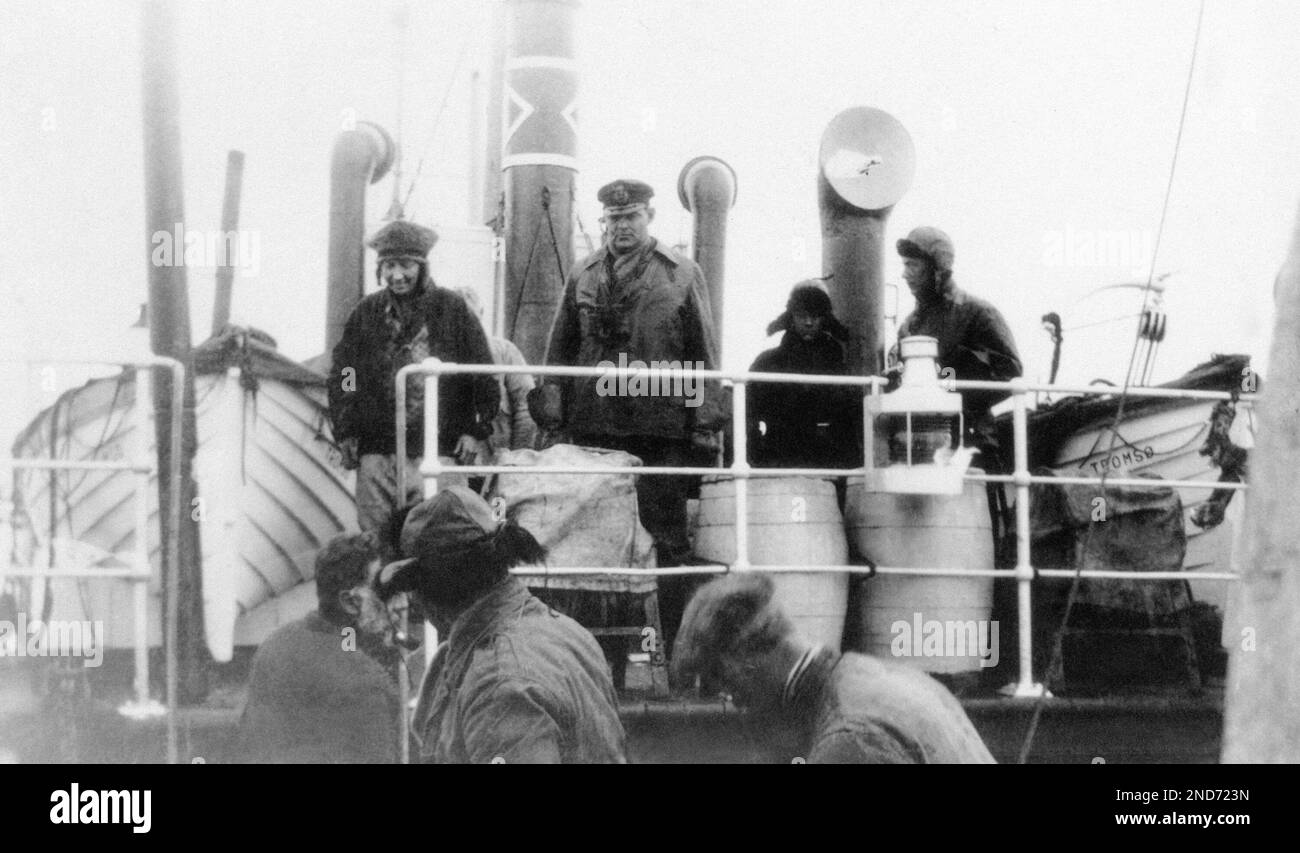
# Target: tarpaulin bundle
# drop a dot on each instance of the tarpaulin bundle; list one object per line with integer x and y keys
{"x": 1120, "y": 528}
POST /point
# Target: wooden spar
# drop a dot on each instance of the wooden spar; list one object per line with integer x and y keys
{"x": 230, "y": 239}
{"x": 169, "y": 332}
{"x": 1262, "y": 713}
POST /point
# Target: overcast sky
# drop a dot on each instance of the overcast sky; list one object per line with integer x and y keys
{"x": 1041, "y": 129}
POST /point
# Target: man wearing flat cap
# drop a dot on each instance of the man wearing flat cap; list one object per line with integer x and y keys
{"x": 515, "y": 682}
{"x": 806, "y": 701}
{"x": 637, "y": 300}
{"x": 974, "y": 340}
{"x": 409, "y": 320}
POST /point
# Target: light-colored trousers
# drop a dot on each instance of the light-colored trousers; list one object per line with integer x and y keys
{"x": 377, "y": 488}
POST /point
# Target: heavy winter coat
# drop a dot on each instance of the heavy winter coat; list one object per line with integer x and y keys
{"x": 520, "y": 683}
{"x": 806, "y": 425}
{"x": 312, "y": 701}
{"x": 362, "y": 402}
{"x": 863, "y": 710}
{"x": 662, "y": 315}
{"x": 974, "y": 341}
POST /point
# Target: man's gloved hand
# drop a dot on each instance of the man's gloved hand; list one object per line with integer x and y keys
{"x": 348, "y": 456}
{"x": 545, "y": 405}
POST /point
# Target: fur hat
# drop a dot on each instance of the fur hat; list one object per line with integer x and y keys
{"x": 809, "y": 296}
{"x": 456, "y": 549}
{"x": 403, "y": 240}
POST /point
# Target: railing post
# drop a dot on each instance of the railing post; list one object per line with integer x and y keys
{"x": 740, "y": 472}
{"x": 140, "y": 585}
{"x": 431, "y": 465}
{"x": 1025, "y": 687}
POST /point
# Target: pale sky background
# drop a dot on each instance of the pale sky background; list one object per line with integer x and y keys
{"x": 1036, "y": 125}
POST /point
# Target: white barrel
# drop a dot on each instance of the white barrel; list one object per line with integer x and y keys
{"x": 923, "y": 531}
{"x": 792, "y": 521}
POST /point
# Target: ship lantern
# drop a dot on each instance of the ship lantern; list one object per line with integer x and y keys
{"x": 913, "y": 434}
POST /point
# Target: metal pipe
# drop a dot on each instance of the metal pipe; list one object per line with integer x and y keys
{"x": 707, "y": 189}
{"x": 866, "y": 163}
{"x": 361, "y": 157}
{"x": 230, "y": 239}
{"x": 539, "y": 156}
{"x": 852, "y": 256}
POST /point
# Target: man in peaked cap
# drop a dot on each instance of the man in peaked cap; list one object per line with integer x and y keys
{"x": 409, "y": 320}
{"x": 806, "y": 701}
{"x": 973, "y": 338}
{"x": 515, "y": 681}
{"x": 635, "y": 301}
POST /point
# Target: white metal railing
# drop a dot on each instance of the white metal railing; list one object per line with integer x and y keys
{"x": 1024, "y": 572}
{"x": 142, "y": 465}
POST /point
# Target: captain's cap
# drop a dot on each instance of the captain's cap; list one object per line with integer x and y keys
{"x": 623, "y": 196}
{"x": 403, "y": 240}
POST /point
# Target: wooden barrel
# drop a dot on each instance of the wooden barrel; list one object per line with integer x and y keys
{"x": 922, "y": 531}
{"x": 792, "y": 521}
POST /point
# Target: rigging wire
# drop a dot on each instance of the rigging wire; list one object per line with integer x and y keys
{"x": 437, "y": 117}
{"x": 1056, "y": 658}
{"x": 1101, "y": 322}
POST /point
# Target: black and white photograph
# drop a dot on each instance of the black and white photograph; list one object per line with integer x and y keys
{"x": 629, "y": 382}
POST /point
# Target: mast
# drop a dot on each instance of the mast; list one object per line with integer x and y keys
{"x": 229, "y": 239}
{"x": 169, "y": 333}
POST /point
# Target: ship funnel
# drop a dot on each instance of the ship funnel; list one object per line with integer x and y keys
{"x": 361, "y": 157}
{"x": 539, "y": 159}
{"x": 866, "y": 164}
{"x": 707, "y": 188}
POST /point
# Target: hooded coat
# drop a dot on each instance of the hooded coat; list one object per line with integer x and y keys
{"x": 374, "y": 347}
{"x": 974, "y": 341}
{"x": 806, "y": 425}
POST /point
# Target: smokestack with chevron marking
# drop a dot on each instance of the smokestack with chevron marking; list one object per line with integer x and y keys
{"x": 539, "y": 159}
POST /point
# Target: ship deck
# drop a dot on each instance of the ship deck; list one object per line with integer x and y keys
{"x": 1168, "y": 725}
